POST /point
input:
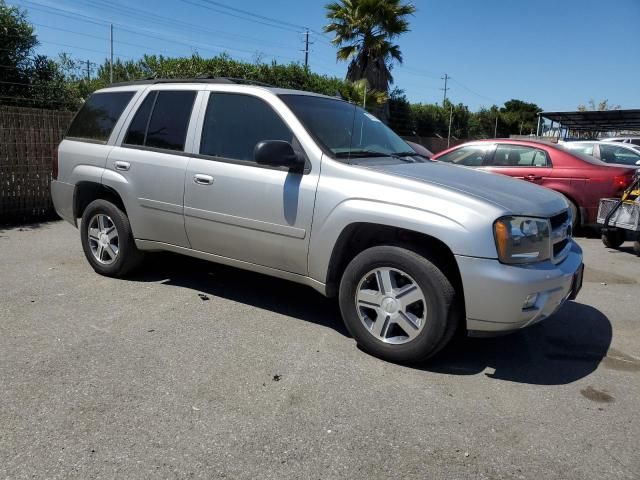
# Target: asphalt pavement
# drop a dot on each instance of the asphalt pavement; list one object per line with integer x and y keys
{"x": 194, "y": 370}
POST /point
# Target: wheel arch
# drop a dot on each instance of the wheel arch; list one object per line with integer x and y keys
{"x": 88, "y": 191}
{"x": 357, "y": 237}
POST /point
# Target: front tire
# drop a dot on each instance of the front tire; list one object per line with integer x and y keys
{"x": 107, "y": 240}
{"x": 397, "y": 304}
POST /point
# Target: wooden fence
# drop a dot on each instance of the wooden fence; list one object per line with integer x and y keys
{"x": 28, "y": 138}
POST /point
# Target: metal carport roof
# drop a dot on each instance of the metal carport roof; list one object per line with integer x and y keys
{"x": 600, "y": 121}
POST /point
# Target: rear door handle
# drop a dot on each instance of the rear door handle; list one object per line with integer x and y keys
{"x": 202, "y": 179}
{"x": 123, "y": 166}
{"x": 533, "y": 177}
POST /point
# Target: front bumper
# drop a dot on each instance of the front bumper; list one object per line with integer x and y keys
{"x": 494, "y": 293}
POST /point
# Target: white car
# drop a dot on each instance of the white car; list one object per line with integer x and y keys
{"x": 608, "y": 152}
{"x": 635, "y": 140}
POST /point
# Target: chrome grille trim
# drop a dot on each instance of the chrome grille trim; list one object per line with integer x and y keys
{"x": 560, "y": 233}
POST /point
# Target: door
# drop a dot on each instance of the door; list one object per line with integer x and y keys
{"x": 153, "y": 163}
{"x": 519, "y": 161}
{"x": 238, "y": 209}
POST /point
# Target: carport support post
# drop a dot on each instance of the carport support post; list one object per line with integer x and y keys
{"x": 538, "y": 129}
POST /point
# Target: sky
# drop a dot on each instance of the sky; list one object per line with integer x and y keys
{"x": 557, "y": 54}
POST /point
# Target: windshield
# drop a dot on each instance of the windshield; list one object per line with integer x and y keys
{"x": 345, "y": 130}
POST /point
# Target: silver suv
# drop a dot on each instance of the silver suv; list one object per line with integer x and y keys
{"x": 315, "y": 190}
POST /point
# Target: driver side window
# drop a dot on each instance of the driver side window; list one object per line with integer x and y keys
{"x": 235, "y": 123}
{"x": 617, "y": 154}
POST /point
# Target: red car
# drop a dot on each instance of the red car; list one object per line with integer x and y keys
{"x": 582, "y": 179}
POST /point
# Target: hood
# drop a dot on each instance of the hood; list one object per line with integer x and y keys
{"x": 515, "y": 196}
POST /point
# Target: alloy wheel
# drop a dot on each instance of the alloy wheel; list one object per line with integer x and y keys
{"x": 103, "y": 239}
{"x": 391, "y": 305}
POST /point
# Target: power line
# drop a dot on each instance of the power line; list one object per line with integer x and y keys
{"x": 277, "y": 25}
{"x": 493, "y": 100}
{"x": 75, "y": 16}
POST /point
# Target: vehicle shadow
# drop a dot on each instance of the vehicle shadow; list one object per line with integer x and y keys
{"x": 557, "y": 351}
{"x": 260, "y": 291}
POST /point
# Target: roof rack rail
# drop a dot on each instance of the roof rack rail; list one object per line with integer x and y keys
{"x": 198, "y": 79}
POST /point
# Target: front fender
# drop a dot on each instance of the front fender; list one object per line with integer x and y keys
{"x": 474, "y": 239}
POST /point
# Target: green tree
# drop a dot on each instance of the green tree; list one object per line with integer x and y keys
{"x": 28, "y": 79}
{"x": 364, "y": 32}
{"x": 520, "y": 118}
{"x": 17, "y": 40}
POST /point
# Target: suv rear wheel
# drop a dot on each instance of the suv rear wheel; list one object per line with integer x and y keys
{"x": 397, "y": 304}
{"x": 107, "y": 240}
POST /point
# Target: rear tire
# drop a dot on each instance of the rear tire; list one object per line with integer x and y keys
{"x": 397, "y": 304}
{"x": 107, "y": 240}
{"x": 613, "y": 238}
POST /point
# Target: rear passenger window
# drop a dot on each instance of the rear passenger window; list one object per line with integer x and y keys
{"x": 138, "y": 128}
{"x": 518, "y": 156}
{"x": 234, "y": 124}
{"x": 98, "y": 115}
{"x": 162, "y": 120}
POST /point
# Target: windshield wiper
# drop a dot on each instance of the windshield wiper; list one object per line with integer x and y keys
{"x": 361, "y": 153}
{"x": 402, "y": 155}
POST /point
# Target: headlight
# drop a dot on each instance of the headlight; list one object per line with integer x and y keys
{"x": 522, "y": 239}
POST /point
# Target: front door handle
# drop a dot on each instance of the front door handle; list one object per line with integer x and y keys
{"x": 532, "y": 178}
{"x": 122, "y": 166}
{"x": 202, "y": 179}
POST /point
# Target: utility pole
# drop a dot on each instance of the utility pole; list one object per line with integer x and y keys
{"x": 111, "y": 55}
{"x": 495, "y": 130}
{"x": 445, "y": 78}
{"x": 450, "y": 121}
{"x": 306, "y": 48}
{"x": 88, "y": 71}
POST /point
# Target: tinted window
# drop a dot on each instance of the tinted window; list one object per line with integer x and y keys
{"x": 471, "y": 155}
{"x": 98, "y": 115}
{"x": 518, "y": 156}
{"x": 138, "y": 127}
{"x": 234, "y": 124}
{"x": 635, "y": 141}
{"x": 170, "y": 120}
{"x": 617, "y": 154}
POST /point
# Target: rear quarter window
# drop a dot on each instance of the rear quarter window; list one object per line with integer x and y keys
{"x": 98, "y": 116}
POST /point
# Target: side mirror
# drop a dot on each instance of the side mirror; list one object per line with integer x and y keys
{"x": 277, "y": 153}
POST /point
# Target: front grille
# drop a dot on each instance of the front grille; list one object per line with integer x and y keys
{"x": 558, "y": 247}
{"x": 559, "y": 220}
{"x": 560, "y": 235}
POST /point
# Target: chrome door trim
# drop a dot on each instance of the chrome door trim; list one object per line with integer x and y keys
{"x": 247, "y": 223}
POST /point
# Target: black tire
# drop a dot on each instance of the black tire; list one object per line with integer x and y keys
{"x": 439, "y": 295}
{"x": 128, "y": 256}
{"x": 575, "y": 214}
{"x": 613, "y": 238}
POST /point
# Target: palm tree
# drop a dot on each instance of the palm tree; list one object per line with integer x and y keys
{"x": 364, "y": 30}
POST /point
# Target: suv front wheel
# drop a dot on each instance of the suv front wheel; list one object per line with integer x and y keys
{"x": 107, "y": 240}
{"x": 397, "y": 304}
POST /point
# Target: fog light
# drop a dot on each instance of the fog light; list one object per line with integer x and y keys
{"x": 530, "y": 301}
